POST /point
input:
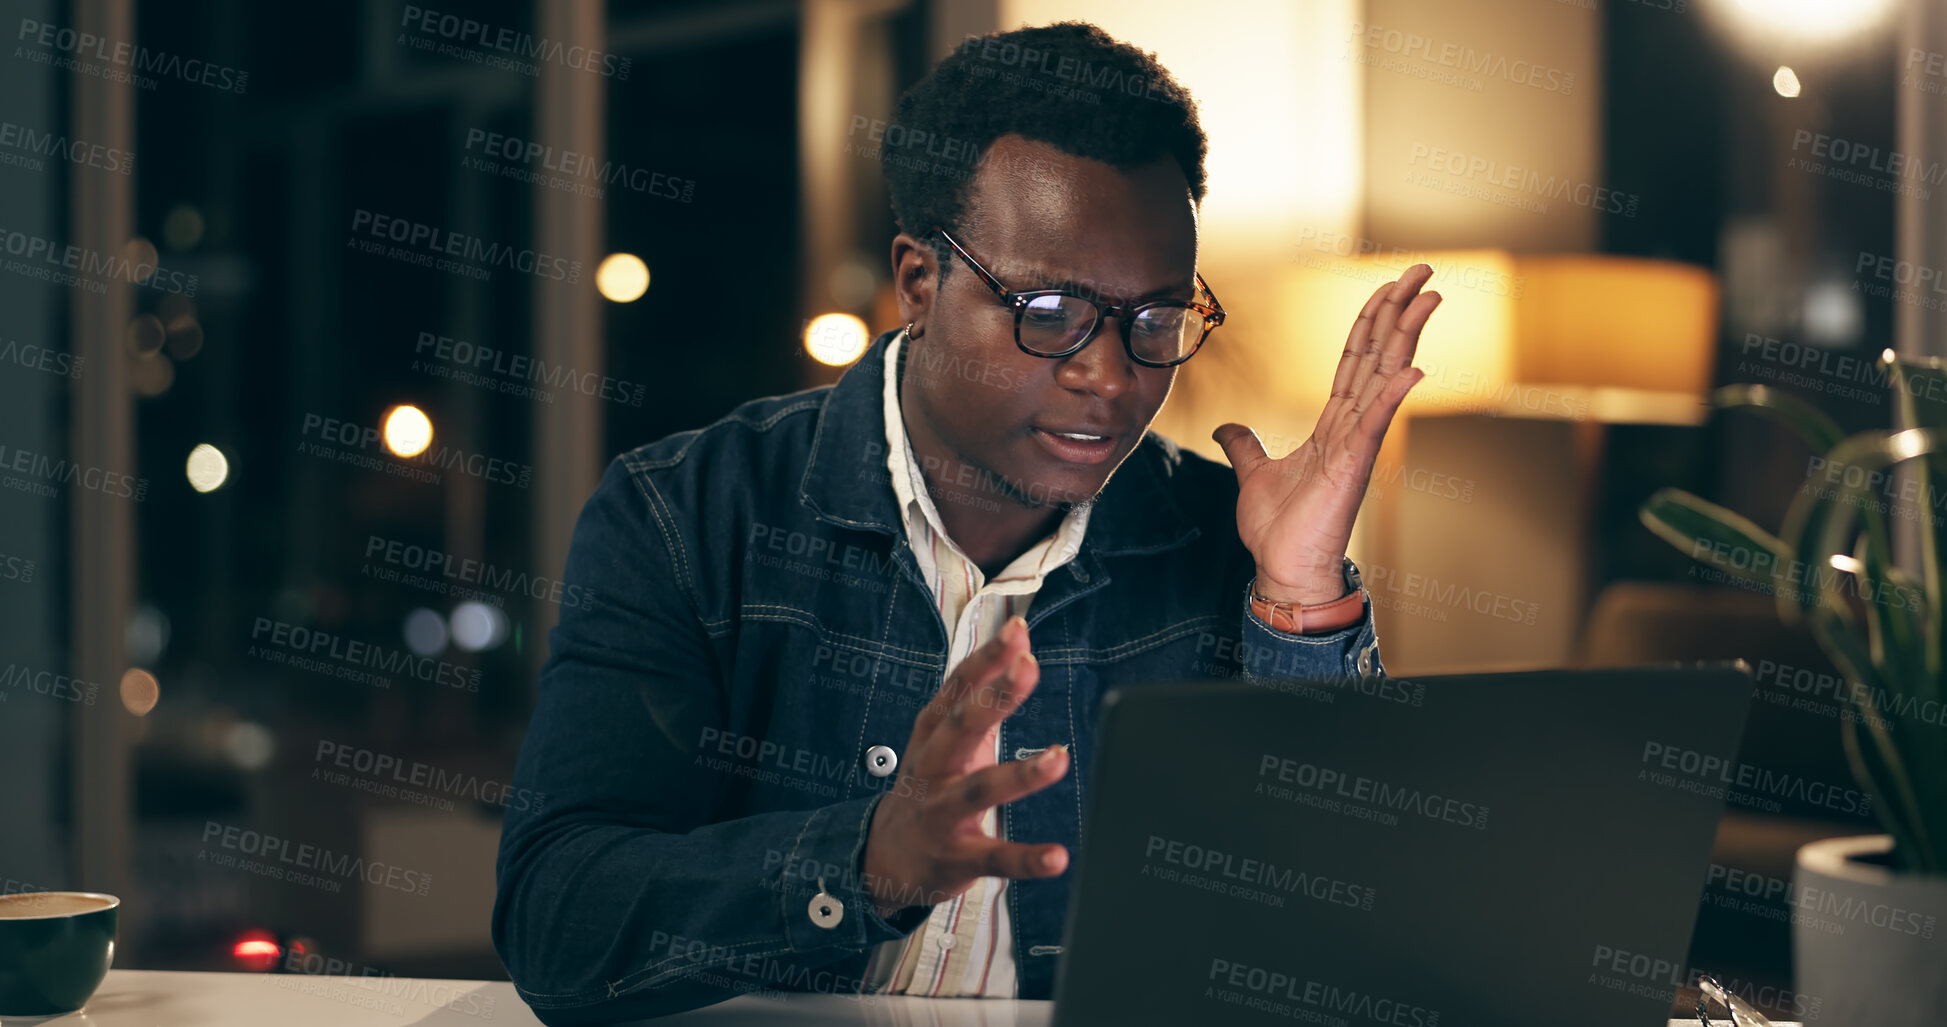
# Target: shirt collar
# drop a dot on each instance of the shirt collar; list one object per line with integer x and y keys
{"x": 916, "y": 503}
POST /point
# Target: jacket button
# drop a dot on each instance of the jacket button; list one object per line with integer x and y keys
{"x": 1365, "y": 662}
{"x": 826, "y": 911}
{"x": 880, "y": 761}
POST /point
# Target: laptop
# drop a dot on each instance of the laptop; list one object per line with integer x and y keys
{"x": 1493, "y": 849}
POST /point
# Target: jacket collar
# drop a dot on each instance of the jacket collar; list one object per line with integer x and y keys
{"x": 846, "y": 481}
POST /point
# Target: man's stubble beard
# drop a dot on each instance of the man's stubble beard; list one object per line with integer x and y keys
{"x": 988, "y": 479}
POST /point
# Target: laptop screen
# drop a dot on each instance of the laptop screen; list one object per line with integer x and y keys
{"x": 1481, "y": 849}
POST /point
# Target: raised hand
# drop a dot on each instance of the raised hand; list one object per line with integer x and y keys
{"x": 925, "y": 838}
{"x": 1295, "y": 513}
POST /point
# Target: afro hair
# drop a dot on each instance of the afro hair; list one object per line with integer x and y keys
{"x": 1069, "y": 85}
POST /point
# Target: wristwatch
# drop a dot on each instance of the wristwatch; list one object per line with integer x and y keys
{"x": 1317, "y": 619}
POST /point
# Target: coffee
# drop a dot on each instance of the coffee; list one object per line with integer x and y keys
{"x": 55, "y": 950}
{"x": 21, "y": 905}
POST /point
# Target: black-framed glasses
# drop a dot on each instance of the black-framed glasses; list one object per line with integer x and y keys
{"x": 1058, "y": 323}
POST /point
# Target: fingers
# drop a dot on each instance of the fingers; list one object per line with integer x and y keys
{"x": 1403, "y": 293}
{"x": 1378, "y": 415}
{"x": 1399, "y": 350}
{"x": 1346, "y": 377}
{"x": 1016, "y": 861}
{"x": 976, "y": 678}
{"x": 1376, "y": 346}
{"x": 970, "y": 725}
{"x": 1000, "y": 784}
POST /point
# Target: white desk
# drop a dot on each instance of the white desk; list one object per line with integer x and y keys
{"x": 155, "y": 998}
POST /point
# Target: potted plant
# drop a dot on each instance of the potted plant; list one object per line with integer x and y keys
{"x": 1832, "y": 569}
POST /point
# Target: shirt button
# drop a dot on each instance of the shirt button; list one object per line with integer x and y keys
{"x": 826, "y": 911}
{"x": 946, "y": 942}
{"x": 880, "y": 761}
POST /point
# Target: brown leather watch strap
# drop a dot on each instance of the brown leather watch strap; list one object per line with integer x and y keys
{"x": 1318, "y": 619}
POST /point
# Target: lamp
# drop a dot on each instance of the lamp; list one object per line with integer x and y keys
{"x": 1615, "y": 322}
{"x": 1615, "y": 339}
{"x": 1480, "y": 503}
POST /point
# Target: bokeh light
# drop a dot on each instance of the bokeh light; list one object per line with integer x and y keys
{"x": 622, "y": 277}
{"x": 836, "y": 339}
{"x": 147, "y": 636}
{"x": 250, "y": 745}
{"x": 152, "y": 375}
{"x": 257, "y": 951}
{"x": 408, "y": 431}
{"x": 425, "y": 632}
{"x": 477, "y": 626}
{"x": 140, "y": 691}
{"x": 140, "y": 253}
{"x": 146, "y": 335}
{"x": 207, "y": 468}
{"x": 182, "y": 227}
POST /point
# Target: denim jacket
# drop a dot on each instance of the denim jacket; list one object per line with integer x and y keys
{"x": 720, "y": 715}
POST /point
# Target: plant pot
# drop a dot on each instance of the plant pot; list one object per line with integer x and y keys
{"x": 1869, "y": 944}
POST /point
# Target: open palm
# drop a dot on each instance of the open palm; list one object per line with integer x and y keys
{"x": 1295, "y": 513}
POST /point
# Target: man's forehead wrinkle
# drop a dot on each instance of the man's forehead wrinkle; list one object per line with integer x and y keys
{"x": 1019, "y": 271}
{"x": 1024, "y": 227}
{"x": 1017, "y": 274}
{"x": 1028, "y": 253}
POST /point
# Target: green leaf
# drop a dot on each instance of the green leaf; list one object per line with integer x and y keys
{"x": 1881, "y": 770}
{"x": 1715, "y": 536}
{"x": 1919, "y": 387}
{"x": 1811, "y": 422}
{"x": 1834, "y": 557}
{"x": 1871, "y": 775}
{"x": 1907, "y": 761}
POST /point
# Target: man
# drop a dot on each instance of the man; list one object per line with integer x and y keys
{"x": 826, "y": 728}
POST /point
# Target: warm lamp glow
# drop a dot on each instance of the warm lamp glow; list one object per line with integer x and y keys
{"x": 1616, "y": 322}
{"x": 1280, "y": 101}
{"x": 1810, "y": 19}
{"x": 1767, "y": 29}
{"x": 407, "y": 431}
{"x": 1465, "y": 352}
{"x": 1568, "y": 336}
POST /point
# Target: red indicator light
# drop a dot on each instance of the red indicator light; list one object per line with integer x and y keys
{"x": 257, "y": 951}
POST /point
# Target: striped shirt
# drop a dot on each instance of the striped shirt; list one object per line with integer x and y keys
{"x": 966, "y": 945}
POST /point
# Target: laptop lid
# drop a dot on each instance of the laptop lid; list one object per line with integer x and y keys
{"x": 1498, "y": 849}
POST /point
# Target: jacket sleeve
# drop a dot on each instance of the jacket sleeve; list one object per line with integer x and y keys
{"x": 1264, "y": 652}
{"x": 617, "y": 896}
